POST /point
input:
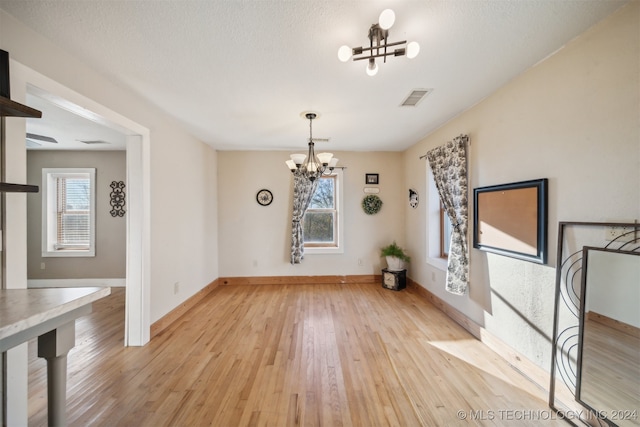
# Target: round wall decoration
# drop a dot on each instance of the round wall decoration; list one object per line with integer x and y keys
{"x": 371, "y": 204}
{"x": 413, "y": 198}
{"x": 264, "y": 197}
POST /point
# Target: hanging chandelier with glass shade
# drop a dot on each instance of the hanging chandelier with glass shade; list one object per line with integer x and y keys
{"x": 310, "y": 165}
{"x": 378, "y": 45}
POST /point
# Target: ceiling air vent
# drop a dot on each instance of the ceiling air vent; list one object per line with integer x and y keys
{"x": 415, "y": 97}
{"x": 35, "y": 137}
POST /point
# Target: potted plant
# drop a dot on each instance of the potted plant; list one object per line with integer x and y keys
{"x": 396, "y": 257}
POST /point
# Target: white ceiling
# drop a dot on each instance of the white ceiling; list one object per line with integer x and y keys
{"x": 238, "y": 73}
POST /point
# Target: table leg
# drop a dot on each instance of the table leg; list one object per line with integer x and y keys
{"x": 54, "y": 346}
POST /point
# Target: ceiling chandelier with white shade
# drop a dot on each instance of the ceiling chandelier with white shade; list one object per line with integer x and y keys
{"x": 379, "y": 45}
{"x": 310, "y": 165}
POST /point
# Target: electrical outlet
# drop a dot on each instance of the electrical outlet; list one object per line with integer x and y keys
{"x": 42, "y": 266}
{"x": 176, "y": 287}
{"x": 360, "y": 262}
{"x": 620, "y": 234}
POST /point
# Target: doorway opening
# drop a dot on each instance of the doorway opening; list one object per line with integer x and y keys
{"x": 136, "y": 141}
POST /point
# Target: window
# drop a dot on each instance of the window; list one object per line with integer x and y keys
{"x": 438, "y": 227}
{"x": 321, "y": 226}
{"x": 68, "y": 212}
{"x": 320, "y": 218}
{"x": 445, "y": 232}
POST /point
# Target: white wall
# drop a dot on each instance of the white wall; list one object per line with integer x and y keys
{"x": 613, "y": 286}
{"x": 184, "y": 209}
{"x": 574, "y": 119}
{"x": 255, "y": 240}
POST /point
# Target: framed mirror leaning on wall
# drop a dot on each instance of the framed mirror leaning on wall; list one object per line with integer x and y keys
{"x": 595, "y": 372}
{"x": 609, "y": 336}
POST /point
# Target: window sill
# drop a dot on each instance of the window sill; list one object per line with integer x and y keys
{"x": 319, "y": 250}
{"x": 69, "y": 253}
{"x": 439, "y": 263}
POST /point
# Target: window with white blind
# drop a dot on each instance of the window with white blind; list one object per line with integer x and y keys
{"x": 68, "y": 212}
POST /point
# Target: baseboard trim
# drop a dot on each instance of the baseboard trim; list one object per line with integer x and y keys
{"x": 471, "y": 326}
{"x": 300, "y": 280}
{"x": 614, "y": 324}
{"x": 164, "y": 322}
{"x": 75, "y": 283}
{"x": 518, "y": 361}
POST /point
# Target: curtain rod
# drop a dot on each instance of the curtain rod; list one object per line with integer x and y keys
{"x": 466, "y": 138}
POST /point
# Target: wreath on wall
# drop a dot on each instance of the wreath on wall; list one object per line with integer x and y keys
{"x": 371, "y": 204}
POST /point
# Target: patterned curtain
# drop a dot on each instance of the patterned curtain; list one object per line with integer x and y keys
{"x": 449, "y": 166}
{"x": 303, "y": 190}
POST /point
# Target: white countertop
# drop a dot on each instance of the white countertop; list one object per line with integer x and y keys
{"x": 23, "y": 309}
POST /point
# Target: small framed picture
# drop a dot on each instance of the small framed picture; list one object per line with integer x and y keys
{"x": 371, "y": 178}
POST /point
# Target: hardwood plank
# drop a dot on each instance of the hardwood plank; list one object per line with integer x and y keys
{"x": 288, "y": 354}
{"x": 614, "y": 324}
{"x": 611, "y": 352}
{"x": 175, "y": 314}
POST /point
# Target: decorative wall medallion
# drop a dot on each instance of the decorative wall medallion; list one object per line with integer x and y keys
{"x": 371, "y": 204}
{"x": 264, "y": 197}
{"x": 413, "y": 198}
{"x": 117, "y": 198}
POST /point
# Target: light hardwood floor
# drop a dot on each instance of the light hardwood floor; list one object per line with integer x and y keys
{"x": 286, "y": 355}
{"x": 611, "y": 371}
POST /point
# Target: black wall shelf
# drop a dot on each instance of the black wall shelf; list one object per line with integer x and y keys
{"x": 9, "y": 108}
{"x": 6, "y": 187}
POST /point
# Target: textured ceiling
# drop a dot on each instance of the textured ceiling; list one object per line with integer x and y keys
{"x": 238, "y": 73}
